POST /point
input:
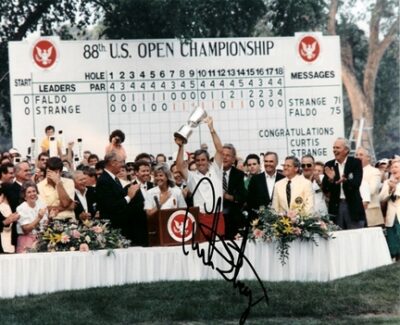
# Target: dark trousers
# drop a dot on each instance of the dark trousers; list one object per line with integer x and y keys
{"x": 344, "y": 220}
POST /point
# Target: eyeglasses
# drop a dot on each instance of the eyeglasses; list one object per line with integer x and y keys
{"x": 306, "y": 165}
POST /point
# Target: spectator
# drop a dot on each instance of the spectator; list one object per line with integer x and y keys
{"x": 165, "y": 195}
{"x": 181, "y": 184}
{"x": 342, "y": 180}
{"x": 33, "y": 214}
{"x": 161, "y": 159}
{"x": 390, "y": 193}
{"x": 143, "y": 156}
{"x": 308, "y": 167}
{"x": 383, "y": 166}
{"x": 93, "y": 159}
{"x": 8, "y": 230}
{"x": 45, "y": 145}
{"x": 100, "y": 166}
{"x": 252, "y": 163}
{"x": 7, "y": 173}
{"x": 261, "y": 186}
{"x": 57, "y": 192}
{"x": 123, "y": 176}
{"x": 192, "y": 166}
{"x": 22, "y": 174}
{"x": 117, "y": 138}
{"x": 142, "y": 174}
{"x": 116, "y": 203}
{"x": 85, "y": 197}
{"x": 294, "y": 192}
{"x": 372, "y": 179}
{"x": 91, "y": 176}
{"x": 130, "y": 171}
{"x": 234, "y": 193}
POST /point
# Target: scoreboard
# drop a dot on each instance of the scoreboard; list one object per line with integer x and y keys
{"x": 265, "y": 94}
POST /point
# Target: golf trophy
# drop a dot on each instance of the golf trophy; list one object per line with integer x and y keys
{"x": 195, "y": 118}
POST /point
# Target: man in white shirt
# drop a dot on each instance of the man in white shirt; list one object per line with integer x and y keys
{"x": 206, "y": 182}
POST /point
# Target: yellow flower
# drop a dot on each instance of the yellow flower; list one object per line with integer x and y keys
{"x": 56, "y": 238}
{"x": 287, "y": 230}
{"x": 286, "y": 221}
{"x": 254, "y": 222}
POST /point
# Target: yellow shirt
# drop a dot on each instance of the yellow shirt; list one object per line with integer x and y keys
{"x": 46, "y": 144}
{"x": 49, "y": 195}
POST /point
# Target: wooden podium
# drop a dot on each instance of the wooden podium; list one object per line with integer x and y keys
{"x": 165, "y": 228}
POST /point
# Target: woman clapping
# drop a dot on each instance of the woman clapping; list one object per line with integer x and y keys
{"x": 33, "y": 213}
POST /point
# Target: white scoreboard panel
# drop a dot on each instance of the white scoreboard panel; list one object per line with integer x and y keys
{"x": 265, "y": 94}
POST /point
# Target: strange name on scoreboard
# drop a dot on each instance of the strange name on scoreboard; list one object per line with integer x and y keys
{"x": 265, "y": 94}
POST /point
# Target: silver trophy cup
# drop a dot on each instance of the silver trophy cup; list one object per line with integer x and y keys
{"x": 195, "y": 118}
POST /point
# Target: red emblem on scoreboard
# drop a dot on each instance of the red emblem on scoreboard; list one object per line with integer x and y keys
{"x": 176, "y": 228}
{"x": 309, "y": 48}
{"x": 44, "y": 54}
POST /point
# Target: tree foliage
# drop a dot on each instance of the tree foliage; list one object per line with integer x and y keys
{"x": 291, "y": 16}
{"x": 368, "y": 61}
{"x": 181, "y": 18}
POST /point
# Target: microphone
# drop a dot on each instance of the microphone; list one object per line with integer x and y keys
{"x": 157, "y": 202}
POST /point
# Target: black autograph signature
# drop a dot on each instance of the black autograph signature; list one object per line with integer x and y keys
{"x": 226, "y": 250}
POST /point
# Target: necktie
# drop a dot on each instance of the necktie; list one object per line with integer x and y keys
{"x": 118, "y": 182}
{"x": 288, "y": 193}
{"x": 224, "y": 182}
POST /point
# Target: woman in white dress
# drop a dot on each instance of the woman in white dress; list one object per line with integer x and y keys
{"x": 33, "y": 213}
{"x": 165, "y": 195}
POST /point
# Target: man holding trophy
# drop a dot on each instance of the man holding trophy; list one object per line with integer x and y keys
{"x": 208, "y": 176}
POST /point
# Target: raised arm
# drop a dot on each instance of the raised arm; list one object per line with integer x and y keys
{"x": 180, "y": 163}
{"x": 216, "y": 140}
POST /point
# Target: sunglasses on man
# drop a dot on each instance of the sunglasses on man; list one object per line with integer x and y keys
{"x": 306, "y": 165}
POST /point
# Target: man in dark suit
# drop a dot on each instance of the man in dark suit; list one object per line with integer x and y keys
{"x": 85, "y": 197}
{"x": 142, "y": 170}
{"x": 22, "y": 174}
{"x": 114, "y": 202}
{"x": 13, "y": 193}
{"x": 261, "y": 186}
{"x": 343, "y": 176}
{"x": 234, "y": 193}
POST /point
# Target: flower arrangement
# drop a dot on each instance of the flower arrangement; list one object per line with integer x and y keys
{"x": 284, "y": 228}
{"x": 90, "y": 235}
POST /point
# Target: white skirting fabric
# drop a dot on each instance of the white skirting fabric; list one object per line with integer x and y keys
{"x": 351, "y": 252}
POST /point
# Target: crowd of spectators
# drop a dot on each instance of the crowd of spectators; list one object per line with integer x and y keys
{"x": 351, "y": 190}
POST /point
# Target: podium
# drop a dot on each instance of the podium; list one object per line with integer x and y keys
{"x": 165, "y": 228}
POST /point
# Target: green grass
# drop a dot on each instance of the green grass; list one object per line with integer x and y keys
{"x": 369, "y": 298}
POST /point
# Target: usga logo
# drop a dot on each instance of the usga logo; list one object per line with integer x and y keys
{"x": 309, "y": 48}
{"x": 175, "y": 226}
{"x": 44, "y": 54}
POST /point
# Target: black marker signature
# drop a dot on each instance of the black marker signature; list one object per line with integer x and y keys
{"x": 231, "y": 273}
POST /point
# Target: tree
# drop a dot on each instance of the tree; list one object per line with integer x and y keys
{"x": 383, "y": 30}
{"x": 361, "y": 54}
{"x": 181, "y": 18}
